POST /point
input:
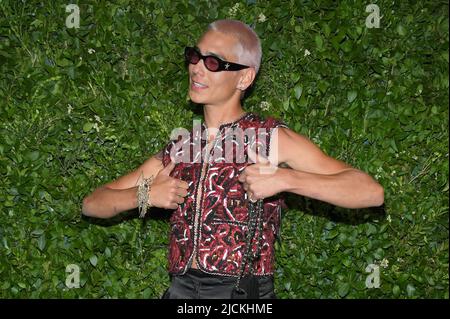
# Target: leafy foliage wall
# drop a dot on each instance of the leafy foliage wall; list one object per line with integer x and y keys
{"x": 82, "y": 106}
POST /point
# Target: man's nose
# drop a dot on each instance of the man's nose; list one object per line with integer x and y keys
{"x": 198, "y": 68}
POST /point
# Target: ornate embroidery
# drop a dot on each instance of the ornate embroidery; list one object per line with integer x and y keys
{"x": 223, "y": 213}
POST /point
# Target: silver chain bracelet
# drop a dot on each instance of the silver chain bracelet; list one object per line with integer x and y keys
{"x": 143, "y": 195}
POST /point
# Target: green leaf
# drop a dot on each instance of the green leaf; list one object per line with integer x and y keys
{"x": 401, "y": 30}
{"x": 107, "y": 252}
{"x": 347, "y": 262}
{"x": 37, "y": 232}
{"x": 319, "y": 42}
{"x": 298, "y": 91}
{"x": 410, "y": 290}
{"x": 41, "y": 243}
{"x": 22, "y": 285}
{"x": 33, "y": 156}
{"x": 146, "y": 294}
{"x": 287, "y": 286}
{"x": 286, "y": 105}
{"x": 393, "y": 145}
{"x": 351, "y": 96}
{"x": 396, "y": 291}
{"x": 332, "y": 234}
{"x": 93, "y": 260}
{"x": 434, "y": 110}
{"x": 88, "y": 126}
{"x": 343, "y": 289}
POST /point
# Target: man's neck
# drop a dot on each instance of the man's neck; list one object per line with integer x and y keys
{"x": 216, "y": 115}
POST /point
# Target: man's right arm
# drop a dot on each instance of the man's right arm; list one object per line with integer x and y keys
{"x": 121, "y": 194}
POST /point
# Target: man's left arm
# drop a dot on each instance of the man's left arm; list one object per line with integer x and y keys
{"x": 311, "y": 173}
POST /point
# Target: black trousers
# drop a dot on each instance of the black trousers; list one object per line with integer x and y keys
{"x": 195, "y": 284}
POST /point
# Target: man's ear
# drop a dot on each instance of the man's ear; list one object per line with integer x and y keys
{"x": 247, "y": 77}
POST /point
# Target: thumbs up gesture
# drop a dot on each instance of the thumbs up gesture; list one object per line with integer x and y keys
{"x": 262, "y": 179}
{"x": 167, "y": 192}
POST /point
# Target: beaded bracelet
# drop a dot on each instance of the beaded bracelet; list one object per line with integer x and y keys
{"x": 143, "y": 195}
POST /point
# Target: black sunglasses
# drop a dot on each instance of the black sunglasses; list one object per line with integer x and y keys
{"x": 212, "y": 63}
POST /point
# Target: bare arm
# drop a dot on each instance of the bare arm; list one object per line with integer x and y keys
{"x": 313, "y": 174}
{"x": 121, "y": 195}
{"x": 349, "y": 188}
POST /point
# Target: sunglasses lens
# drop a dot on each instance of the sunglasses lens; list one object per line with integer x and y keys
{"x": 212, "y": 63}
{"x": 192, "y": 56}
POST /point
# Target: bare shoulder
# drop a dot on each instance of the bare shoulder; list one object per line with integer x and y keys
{"x": 286, "y": 135}
{"x": 299, "y": 152}
{"x": 290, "y": 143}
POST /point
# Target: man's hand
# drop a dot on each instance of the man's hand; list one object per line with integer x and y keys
{"x": 262, "y": 179}
{"x": 167, "y": 192}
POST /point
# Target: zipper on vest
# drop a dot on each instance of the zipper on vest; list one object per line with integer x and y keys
{"x": 199, "y": 200}
{"x": 201, "y": 186}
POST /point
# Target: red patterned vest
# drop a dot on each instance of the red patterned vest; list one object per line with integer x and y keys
{"x": 216, "y": 229}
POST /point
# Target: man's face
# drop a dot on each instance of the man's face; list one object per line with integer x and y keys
{"x": 214, "y": 88}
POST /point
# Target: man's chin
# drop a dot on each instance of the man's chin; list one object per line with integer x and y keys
{"x": 196, "y": 99}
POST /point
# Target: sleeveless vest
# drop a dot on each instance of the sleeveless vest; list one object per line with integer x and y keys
{"x": 216, "y": 229}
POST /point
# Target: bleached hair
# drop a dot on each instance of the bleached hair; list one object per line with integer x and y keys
{"x": 249, "y": 50}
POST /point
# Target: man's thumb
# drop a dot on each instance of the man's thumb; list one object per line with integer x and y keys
{"x": 168, "y": 168}
{"x": 256, "y": 158}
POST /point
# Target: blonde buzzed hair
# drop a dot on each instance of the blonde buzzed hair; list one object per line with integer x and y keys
{"x": 249, "y": 51}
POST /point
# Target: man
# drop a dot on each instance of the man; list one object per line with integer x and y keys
{"x": 227, "y": 214}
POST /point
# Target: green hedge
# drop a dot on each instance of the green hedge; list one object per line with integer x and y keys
{"x": 80, "y": 107}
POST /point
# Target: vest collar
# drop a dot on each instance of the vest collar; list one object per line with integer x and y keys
{"x": 245, "y": 116}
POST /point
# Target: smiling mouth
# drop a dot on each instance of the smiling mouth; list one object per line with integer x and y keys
{"x": 198, "y": 85}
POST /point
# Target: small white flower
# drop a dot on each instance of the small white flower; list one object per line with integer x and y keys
{"x": 95, "y": 126}
{"x": 264, "y": 105}
{"x": 389, "y": 219}
{"x": 69, "y": 109}
{"x": 232, "y": 11}
{"x": 384, "y": 263}
{"x": 261, "y": 18}
{"x": 307, "y": 52}
{"x": 91, "y": 51}
{"x": 97, "y": 118}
